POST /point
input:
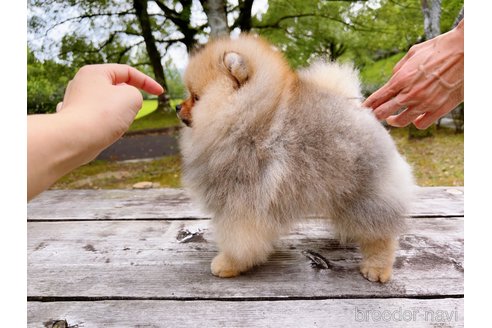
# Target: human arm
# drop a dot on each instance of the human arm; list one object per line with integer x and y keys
{"x": 428, "y": 82}
{"x": 99, "y": 105}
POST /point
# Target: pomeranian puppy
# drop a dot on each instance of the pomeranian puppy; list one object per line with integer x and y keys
{"x": 264, "y": 146}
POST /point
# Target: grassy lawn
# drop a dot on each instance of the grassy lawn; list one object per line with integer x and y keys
{"x": 148, "y": 118}
{"x": 437, "y": 161}
{"x": 122, "y": 175}
{"x": 375, "y": 75}
{"x": 148, "y": 107}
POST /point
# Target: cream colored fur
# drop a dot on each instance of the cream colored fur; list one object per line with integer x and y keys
{"x": 268, "y": 146}
{"x": 344, "y": 79}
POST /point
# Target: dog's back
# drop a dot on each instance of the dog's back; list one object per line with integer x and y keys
{"x": 339, "y": 159}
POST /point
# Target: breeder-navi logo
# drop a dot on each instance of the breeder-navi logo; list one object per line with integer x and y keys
{"x": 406, "y": 315}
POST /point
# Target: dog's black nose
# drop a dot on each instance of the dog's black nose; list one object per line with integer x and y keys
{"x": 178, "y": 108}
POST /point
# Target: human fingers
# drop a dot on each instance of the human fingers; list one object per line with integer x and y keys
{"x": 426, "y": 120}
{"x": 130, "y": 96}
{"x": 402, "y": 61}
{"x": 118, "y": 74}
{"x": 66, "y": 95}
{"x": 390, "y": 107}
{"x": 126, "y": 74}
{"x": 404, "y": 118}
{"x": 381, "y": 96}
{"x": 59, "y": 106}
{"x": 405, "y": 75}
{"x": 126, "y": 102}
{"x": 392, "y": 88}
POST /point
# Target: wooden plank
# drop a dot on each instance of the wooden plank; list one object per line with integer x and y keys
{"x": 284, "y": 314}
{"x": 169, "y": 203}
{"x": 171, "y": 259}
{"x": 438, "y": 201}
{"x": 166, "y": 203}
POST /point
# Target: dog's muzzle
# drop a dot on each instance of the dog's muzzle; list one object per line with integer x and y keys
{"x": 185, "y": 121}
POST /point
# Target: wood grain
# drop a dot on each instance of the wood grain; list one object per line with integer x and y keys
{"x": 128, "y": 258}
{"x": 171, "y": 259}
{"x": 169, "y": 203}
{"x": 283, "y": 314}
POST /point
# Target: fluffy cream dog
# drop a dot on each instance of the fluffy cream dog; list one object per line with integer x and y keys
{"x": 265, "y": 145}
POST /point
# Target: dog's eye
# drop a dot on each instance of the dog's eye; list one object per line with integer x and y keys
{"x": 196, "y": 98}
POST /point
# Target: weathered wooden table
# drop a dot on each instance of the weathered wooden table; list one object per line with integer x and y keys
{"x": 128, "y": 258}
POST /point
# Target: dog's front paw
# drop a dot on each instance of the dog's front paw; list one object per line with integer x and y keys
{"x": 376, "y": 273}
{"x": 223, "y": 267}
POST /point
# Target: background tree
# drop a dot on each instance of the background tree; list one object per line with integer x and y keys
{"x": 216, "y": 17}
{"x": 117, "y": 30}
{"x": 46, "y": 82}
{"x": 176, "y": 88}
{"x": 431, "y": 10}
{"x": 374, "y": 34}
{"x": 142, "y": 14}
{"x": 307, "y": 30}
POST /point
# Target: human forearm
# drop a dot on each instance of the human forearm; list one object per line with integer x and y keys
{"x": 99, "y": 105}
{"x": 56, "y": 144}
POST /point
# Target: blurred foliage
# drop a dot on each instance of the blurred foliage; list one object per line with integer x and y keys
{"x": 305, "y": 30}
{"x": 79, "y": 51}
{"x": 46, "y": 82}
{"x": 377, "y": 72}
{"x": 157, "y": 118}
{"x": 175, "y": 85}
{"x": 374, "y": 34}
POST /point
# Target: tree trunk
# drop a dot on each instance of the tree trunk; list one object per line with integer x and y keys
{"x": 460, "y": 16}
{"x": 432, "y": 18}
{"x": 217, "y": 17}
{"x": 244, "y": 20}
{"x": 431, "y": 9}
{"x": 181, "y": 20}
{"x": 458, "y": 115}
{"x": 140, "y": 7}
{"x": 184, "y": 24}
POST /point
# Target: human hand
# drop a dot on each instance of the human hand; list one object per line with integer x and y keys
{"x": 99, "y": 105}
{"x": 427, "y": 83}
{"x": 105, "y": 99}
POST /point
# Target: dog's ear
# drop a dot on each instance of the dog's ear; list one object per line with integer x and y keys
{"x": 237, "y": 67}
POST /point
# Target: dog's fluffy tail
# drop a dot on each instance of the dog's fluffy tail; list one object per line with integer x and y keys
{"x": 342, "y": 79}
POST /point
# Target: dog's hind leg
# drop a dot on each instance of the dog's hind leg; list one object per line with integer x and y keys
{"x": 378, "y": 257}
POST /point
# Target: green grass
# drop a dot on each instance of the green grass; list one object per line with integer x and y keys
{"x": 437, "y": 161}
{"x": 122, "y": 175}
{"x": 375, "y": 75}
{"x": 148, "y": 107}
{"x": 149, "y": 118}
